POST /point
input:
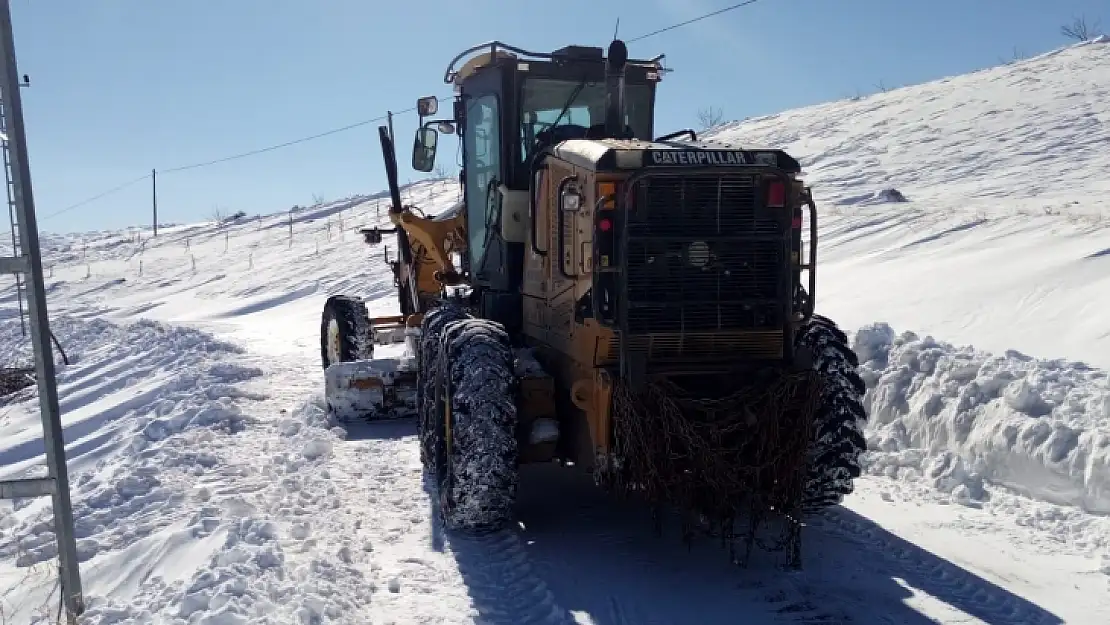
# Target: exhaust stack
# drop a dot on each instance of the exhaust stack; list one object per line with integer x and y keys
{"x": 614, "y": 88}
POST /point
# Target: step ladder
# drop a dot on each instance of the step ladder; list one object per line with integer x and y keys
{"x": 25, "y": 263}
{"x": 12, "y": 219}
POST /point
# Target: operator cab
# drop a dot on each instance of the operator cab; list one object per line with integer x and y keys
{"x": 511, "y": 104}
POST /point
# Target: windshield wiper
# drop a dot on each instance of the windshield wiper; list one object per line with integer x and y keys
{"x": 551, "y": 129}
{"x": 573, "y": 96}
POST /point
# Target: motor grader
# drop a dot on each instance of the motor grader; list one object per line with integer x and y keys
{"x": 640, "y": 308}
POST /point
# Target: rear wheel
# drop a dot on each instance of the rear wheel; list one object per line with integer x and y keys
{"x": 475, "y": 405}
{"x": 838, "y": 438}
{"x": 345, "y": 331}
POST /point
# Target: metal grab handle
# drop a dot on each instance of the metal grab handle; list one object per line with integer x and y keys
{"x": 562, "y": 222}
{"x": 532, "y": 212}
{"x": 811, "y": 301}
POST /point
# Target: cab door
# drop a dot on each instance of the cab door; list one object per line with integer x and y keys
{"x": 483, "y": 170}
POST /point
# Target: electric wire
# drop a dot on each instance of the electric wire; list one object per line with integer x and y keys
{"x": 692, "y": 20}
{"x": 358, "y": 124}
{"x": 95, "y": 197}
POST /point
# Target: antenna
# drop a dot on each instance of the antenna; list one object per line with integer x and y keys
{"x": 616, "y": 30}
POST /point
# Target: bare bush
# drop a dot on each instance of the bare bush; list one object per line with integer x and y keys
{"x": 1017, "y": 55}
{"x": 1080, "y": 30}
{"x": 710, "y": 117}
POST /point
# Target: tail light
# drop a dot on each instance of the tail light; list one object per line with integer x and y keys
{"x": 776, "y": 194}
{"x": 605, "y": 253}
{"x": 605, "y": 225}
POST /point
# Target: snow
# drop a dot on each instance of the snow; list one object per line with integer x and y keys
{"x": 1003, "y": 242}
{"x": 210, "y": 485}
{"x": 959, "y": 417}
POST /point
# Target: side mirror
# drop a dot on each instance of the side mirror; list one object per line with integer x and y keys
{"x": 424, "y": 149}
{"x": 446, "y": 128}
{"x": 372, "y": 236}
{"x": 427, "y": 106}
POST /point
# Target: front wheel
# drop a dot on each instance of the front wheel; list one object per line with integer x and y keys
{"x": 475, "y": 404}
{"x": 345, "y": 331}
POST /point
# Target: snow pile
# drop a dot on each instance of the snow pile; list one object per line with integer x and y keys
{"x": 958, "y": 418}
{"x": 270, "y": 552}
{"x": 150, "y": 411}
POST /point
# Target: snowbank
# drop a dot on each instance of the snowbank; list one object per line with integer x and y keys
{"x": 150, "y": 413}
{"x": 960, "y": 418}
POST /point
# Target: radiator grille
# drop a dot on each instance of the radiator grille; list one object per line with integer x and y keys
{"x": 704, "y": 346}
{"x": 701, "y": 206}
{"x": 702, "y": 254}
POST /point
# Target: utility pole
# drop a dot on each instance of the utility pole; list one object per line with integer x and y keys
{"x": 28, "y": 261}
{"x": 154, "y": 197}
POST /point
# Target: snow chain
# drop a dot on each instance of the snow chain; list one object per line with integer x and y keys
{"x": 711, "y": 457}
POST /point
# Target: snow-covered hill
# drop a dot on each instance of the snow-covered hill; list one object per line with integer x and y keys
{"x": 1004, "y": 241}
{"x": 209, "y": 487}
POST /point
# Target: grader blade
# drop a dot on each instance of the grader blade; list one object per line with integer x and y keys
{"x": 375, "y": 389}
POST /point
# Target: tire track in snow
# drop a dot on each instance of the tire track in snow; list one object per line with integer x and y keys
{"x": 499, "y": 577}
{"x": 944, "y": 580}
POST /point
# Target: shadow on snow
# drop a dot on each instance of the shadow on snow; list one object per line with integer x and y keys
{"x": 581, "y": 555}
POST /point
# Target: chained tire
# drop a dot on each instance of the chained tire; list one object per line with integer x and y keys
{"x": 345, "y": 331}
{"x": 475, "y": 399}
{"x": 834, "y": 459}
{"x": 431, "y": 333}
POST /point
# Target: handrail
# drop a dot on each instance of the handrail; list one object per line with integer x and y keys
{"x": 493, "y": 46}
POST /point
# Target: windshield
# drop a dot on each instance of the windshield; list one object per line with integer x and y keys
{"x": 544, "y": 98}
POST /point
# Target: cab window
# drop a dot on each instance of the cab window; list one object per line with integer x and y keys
{"x": 483, "y": 140}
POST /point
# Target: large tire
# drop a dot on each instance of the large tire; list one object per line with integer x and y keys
{"x": 431, "y": 334}
{"x": 476, "y": 470}
{"x": 345, "y": 331}
{"x": 838, "y": 439}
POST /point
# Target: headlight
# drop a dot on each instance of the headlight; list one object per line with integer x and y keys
{"x": 697, "y": 254}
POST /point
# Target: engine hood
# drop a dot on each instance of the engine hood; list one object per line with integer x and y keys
{"x": 633, "y": 154}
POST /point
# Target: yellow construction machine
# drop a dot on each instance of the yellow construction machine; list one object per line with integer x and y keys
{"x": 641, "y": 308}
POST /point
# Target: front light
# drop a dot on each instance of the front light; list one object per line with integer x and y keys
{"x": 697, "y": 254}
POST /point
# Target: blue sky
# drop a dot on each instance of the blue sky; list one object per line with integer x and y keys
{"x": 119, "y": 87}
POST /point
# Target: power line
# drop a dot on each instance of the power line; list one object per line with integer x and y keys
{"x": 356, "y": 124}
{"x": 333, "y": 131}
{"x": 696, "y": 19}
{"x": 281, "y": 145}
{"x": 96, "y": 197}
{"x": 224, "y": 160}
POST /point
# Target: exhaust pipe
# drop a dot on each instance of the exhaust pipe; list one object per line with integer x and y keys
{"x": 614, "y": 89}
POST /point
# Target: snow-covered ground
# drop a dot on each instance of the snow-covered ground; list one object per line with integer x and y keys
{"x": 210, "y": 488}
